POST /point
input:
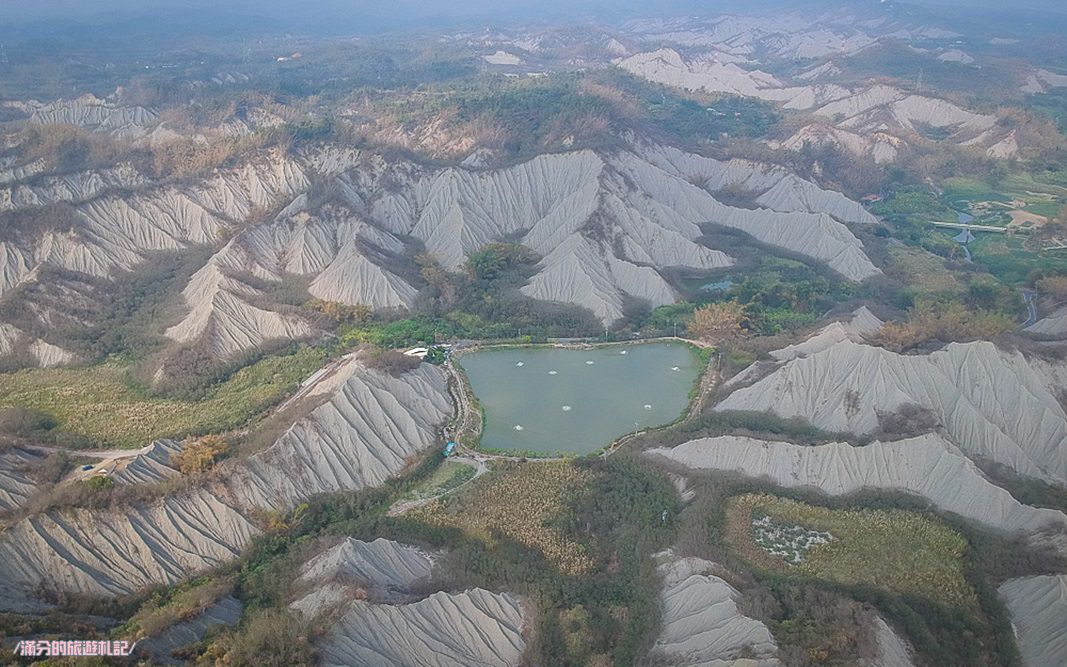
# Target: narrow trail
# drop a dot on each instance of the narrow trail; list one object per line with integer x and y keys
{"x": 1031, "y": 317}
{"x": 480, "y": 468}
{"x": 102, "y": 454}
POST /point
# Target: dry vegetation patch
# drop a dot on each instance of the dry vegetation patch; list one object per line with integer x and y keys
{"x": 921, "y": 269}
{"x": 518, "y": 501}
{"x": 98, "y": 403}
{"x": 946, "y": 322}
{"x": 201, "y": 454}
{"x": 893, "y": 550}
{"x": 182, "y": 603}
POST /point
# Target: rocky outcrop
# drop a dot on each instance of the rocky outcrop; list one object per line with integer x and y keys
{"x": 785, "y": 36}
{"x": 382, "y": 567}
{"x": 93, "y": 113}
{"x": 16, "y": 342}
{"x": 1042, "y": 81}
{"x": 874, "y": 122}
{"x": 956, "y": 56}
{"x": 369, "y": 428}
{"x": 153, "y": 464}
{"x": 701, "y": 624}
{"x": 107, "y": 553}
{"x": 502, "y": 58}
{"x": 893, "y": 650}
{"x": 114, "y": 232}
{"x": 708, "y": 74}
{"x": 880, "y": 147}
{"x": 221, "y": 313}
{"x": 608, "y": 226}
{"x": 991, "y": 403}
{"x": 1038, "y": 608}
{"x": 16, "y": 486}
{"x": 77, "y": 187}
{"x": 369, "y": 588}
{"x": 860, "y": 324}
{"x": 226, "y": 612}
{"x": 926, "y": 466}
{"x": 869, "y": 108}
{"x": 1054, "y": 325}
{"x": 476, "y": 627}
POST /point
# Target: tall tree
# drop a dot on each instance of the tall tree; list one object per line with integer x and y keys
{"x": 718, "y": 323}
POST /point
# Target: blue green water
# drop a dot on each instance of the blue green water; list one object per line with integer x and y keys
{"x": 568, "y": 400}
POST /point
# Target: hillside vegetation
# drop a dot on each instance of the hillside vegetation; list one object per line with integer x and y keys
{"x": 98, "y": 406}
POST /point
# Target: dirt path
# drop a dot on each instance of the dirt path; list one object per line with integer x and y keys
{"x": 480, "y": 468}
{"x": 103, "y": 454}
{"x": 308, "y": 385}
{"x": 467, "y": 425}
{"x": 1031, "y": 311}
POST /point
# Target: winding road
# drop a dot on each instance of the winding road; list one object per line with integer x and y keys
{"x": 1031, "y": 317}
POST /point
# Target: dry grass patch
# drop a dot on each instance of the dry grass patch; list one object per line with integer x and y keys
{"x": 518, "y": 501}
{"x": 180, "y": 604}
{"x": 894, "y": 550}
{"x": 98, "y": 404}
{"x": 921, "y": 270}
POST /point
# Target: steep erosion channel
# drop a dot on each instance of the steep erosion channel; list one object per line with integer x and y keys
{"x": 368, "y": 428}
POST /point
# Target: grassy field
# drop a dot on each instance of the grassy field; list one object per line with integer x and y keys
{"x": 897, "y": 551}
{"x": 1008, "y": 260}
{"x": 98, "y": 403}
{"x": 989, "y": 203}
{"x": 519, "y": 501}
{"x": 446, "y": 477}
{"x": 921, "y": 271}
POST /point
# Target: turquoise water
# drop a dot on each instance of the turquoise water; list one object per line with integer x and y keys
{"x": 720, "y": 286}
{"x": 554, "y": 400}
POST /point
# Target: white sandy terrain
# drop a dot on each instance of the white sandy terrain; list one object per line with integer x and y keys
{"x": 1038, "y": 608}
{"x": 860, "y": 324}
{"x": 921, "y": 466}
{"x": 502, "y": 58}
{"x": 476, "y": 628}
{"x": 701, "y": 624}
{"x": 607, "y": 225}
{"x": 353, "y": 581}
{"x": 956, "y": 56}
{"x": 93, "y": 113}
{"x": 369, "y": 428}
{"x": 154, "y": 464}
{"x": 16, "y": 487}
{"x": 991, "y": 403}
{"x": 876, "y": 121}
{"x": 1053, "y": 325}
{"x": 76, "y": 187}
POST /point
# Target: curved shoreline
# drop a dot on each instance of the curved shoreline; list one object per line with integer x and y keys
{"x": 468, "y": 423}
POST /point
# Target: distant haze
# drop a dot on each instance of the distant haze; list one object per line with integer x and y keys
{"x": 55, "y": 26}
{"x": 399, "y": 13}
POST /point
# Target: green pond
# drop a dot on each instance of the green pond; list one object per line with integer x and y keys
{"x": 552, "y": 400}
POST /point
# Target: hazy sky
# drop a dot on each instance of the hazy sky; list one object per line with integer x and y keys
{"x": 378, "y": 15}
{"x": 406, "y": 9}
